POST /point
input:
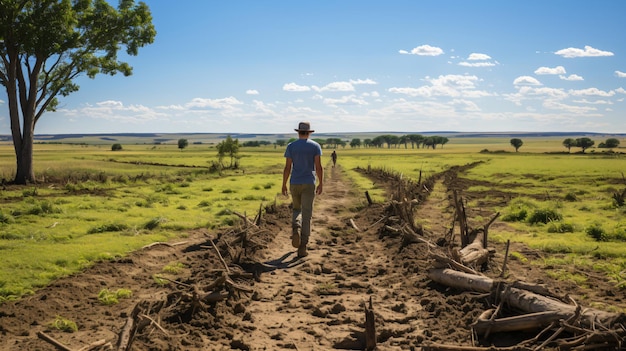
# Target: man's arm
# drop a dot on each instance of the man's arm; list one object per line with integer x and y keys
{"x": 319, "y": 172}
{"x": 286, "y": 173}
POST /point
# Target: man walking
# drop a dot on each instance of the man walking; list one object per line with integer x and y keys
{"x": 303, "y": 163}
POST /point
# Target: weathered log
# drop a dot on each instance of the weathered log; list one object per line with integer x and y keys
{"x": 461, "y": 280}
{"x": 446, "y": 262}
{"x": 520, "y": 299}
{"x": 517, "y": 323}
{"x": 474, "y": 253}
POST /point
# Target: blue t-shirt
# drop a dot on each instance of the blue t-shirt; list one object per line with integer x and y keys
{"x": 302, "y": 152}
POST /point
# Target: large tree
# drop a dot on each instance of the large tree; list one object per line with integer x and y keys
{"x": 46, "y": 44}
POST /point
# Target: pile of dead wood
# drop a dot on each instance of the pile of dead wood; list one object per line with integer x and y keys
{"x": 558, "y": 323}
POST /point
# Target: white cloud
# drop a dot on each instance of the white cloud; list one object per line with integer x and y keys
{"x": 587, "y": 52}
{"x": 345, "y": 100}
{"x": 620, "y": 74}
{"x": 555, "y": 105}
{"x": 548, "y": 70}
{"x": 620, "y": 90}
{"x": 424, "y": 50}
{"x": 110, "y": 104}
{"x": 572, "y": 77}
{"x": 295, "y": 87}
{"x": 449, "y": 85}
{"x": 478, "y": 57}
{"x": 597, "y": 102}
{"x": 363, "y": 81}
{"x": 217, "y": 104}
{"x": 591, "y": 92}
{"x": 252, "y": 92}
{"x": 476, "y": 64}
{"x": 526, "y": 80}
{"x": 335, "y": 86}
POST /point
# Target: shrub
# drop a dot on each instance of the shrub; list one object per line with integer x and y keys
{"x": 6, "y": 219}
{"x": 515, "y": 216}
{"x": 544, "y": 216}
{"x": 596, "y": 232}
{"x": 116, "y": 147}
{"x": 111, "y": 227}
{"x": 559, "y": 227}
{"x": 571, "y": 197}
{"x": 154, "y": 222}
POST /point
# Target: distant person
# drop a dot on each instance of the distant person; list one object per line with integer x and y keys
{"x": 333, "y": 156}
{"x": 303, "y": 163}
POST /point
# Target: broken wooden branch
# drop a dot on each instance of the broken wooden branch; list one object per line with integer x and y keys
{"x": 53, "y": 341}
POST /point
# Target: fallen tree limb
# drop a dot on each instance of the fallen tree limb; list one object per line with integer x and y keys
{"x": 520, "y": 299}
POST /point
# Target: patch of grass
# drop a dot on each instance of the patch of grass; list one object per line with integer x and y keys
{"x": 110, "y": 227}
{"x": 64, "y": 324}
{"x": 173, "y": 267}
{"x": 518, "y": 256}
{"x": 107, "y": 297}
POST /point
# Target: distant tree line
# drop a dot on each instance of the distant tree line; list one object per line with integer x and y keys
{"x": 586, "y": 143}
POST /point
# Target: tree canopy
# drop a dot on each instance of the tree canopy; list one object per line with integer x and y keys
{"x": 46, "y": 44}
{"x": 517, "y": 143}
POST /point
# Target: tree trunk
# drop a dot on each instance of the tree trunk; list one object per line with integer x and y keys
{"x": 25, "y": 102}
{"x": 24, "y": 157}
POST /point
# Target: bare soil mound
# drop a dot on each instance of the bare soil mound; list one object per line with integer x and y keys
{"x": 245, "y": 289}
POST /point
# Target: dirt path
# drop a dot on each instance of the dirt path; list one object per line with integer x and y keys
{"x": 319, "y": 305}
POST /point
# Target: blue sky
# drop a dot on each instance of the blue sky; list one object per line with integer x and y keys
{"x": 359, "y": 65}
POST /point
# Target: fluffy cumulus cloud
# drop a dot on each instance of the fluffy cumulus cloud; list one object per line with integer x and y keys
{"x": 451, "y": 85}
{"x": 252, "y": 92}
{"x": 592, "y": 92}
{"x": 335, "y": 86}
{"x": 295, "y": 87}
{"x": 424, "y": 50}
{"x": 215, "y": 104}
{"x": 572, "y": 77}
{"x": 478, "y": 57}
{"x": 588, "y": 51}
{"x": 526, "y": 80}
{"x": 477, "y": 60}
{"x": 548, "y": 70}
{"x": 617, "y": 73}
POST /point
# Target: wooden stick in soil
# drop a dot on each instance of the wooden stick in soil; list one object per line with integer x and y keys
{"x": 370, "y": 327}
{"x": 220, "y": 256}
{"x": 369, "y": 199}
{"x": 506, "y": 258}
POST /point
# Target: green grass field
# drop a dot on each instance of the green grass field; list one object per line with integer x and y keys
{"x": 93, "y": 203}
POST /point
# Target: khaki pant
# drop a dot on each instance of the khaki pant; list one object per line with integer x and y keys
{"x": 302, "y": 196}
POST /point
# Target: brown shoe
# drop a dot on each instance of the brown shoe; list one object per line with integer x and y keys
{"x": 295, "y": 238}
{"x": 302, "y": 251}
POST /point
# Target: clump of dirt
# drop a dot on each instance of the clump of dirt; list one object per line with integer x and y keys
{"x": 244, "y": 288}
